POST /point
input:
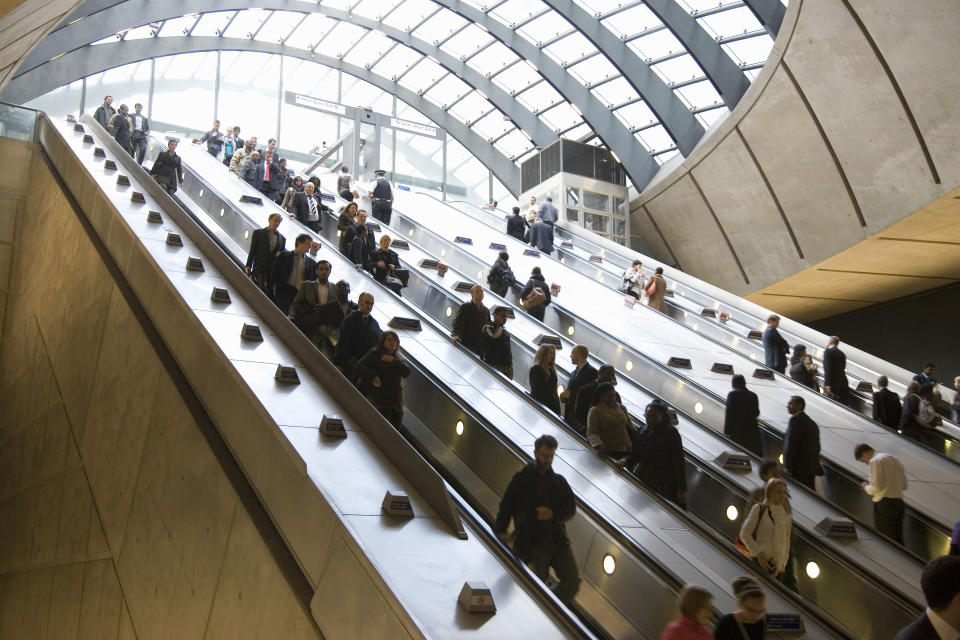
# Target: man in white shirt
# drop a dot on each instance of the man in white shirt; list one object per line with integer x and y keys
{"x": 940, "y": 582}
{"x": 887, "y": 484}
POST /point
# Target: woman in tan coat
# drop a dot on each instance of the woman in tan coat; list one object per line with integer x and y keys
{"x": 656, "y": 290}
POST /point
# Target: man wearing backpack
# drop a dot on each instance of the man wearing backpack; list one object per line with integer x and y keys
{"x": 501, "y": 275}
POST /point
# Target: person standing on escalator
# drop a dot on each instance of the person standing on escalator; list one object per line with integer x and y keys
{"x": 656, "y": 456}
{"x": 382, "y": 198}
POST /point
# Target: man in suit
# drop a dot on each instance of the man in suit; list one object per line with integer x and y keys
{"x": 308, "y": 207}
{"x": 141, "y": 129}
{"x": 359, "y": 333}
{"x": 582, "y": 374}
{"x": 516, "y": 225}
{"x": 926, "y": 374}
{"x": 270, "y": 176}
{"x": 886, "y": 405}
{"x": 740, "y": 421}
{"x": 775, "y": 348}
{"x": 801, "y": 445}
{"x": 541, "y": 236}
{"x": 347, "y": 238}
{"x": 290, "y": 270}
{"x": 104, "y": 112}
{"x": 167, "y": 170}
{"x": 265, "y": 245}
{"x": 548, "y": 212}
{"x": 940, "y": 582}
{"x": 313, "y": 294}
{"x": 835, "y": 371}
{"x": 470, "y": 319}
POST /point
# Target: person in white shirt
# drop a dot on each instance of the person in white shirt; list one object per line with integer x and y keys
{"x": 940, "y": 582}
{"x": 886, "y": 485}
{"x": 766, "y": 530}
{"x": 633, "y": 280}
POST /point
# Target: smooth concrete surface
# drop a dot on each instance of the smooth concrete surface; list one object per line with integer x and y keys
{"x": 23, "y": 25}
{"x": 116, "y": 519}
{"x": 832, "y": 135}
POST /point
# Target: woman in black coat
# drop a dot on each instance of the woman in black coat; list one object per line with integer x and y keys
{"x": 536, "y": 281}
{"x": 543, "y": 378}
{"x": 381, "y": 372}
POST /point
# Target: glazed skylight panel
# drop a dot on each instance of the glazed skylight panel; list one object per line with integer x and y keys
{"x": 570, "y": 48}
{"x": 637, "y": 19}
{"x": 593, "y": 71}
{"x": 246, "y": 23}
{"x": 561, "y": 117}
{"x": 492, "y": 126}
{"x": 447, "y": 91}
{"x": 472, "y": 107}
{"x": 515, "y": 12}
{"x": 212, "y": 24}
{"x": 513, "y": 144}
{"x": 538, "y": 96}
{"x": 752, "y": 51}
{"x": 517, "y": 77}
{"x": 493, "y": 58}
{"x": 373, "y": 9}
{"x": 279, "y": 26}
{"x": 422, "y": 75}
{"x": 400, "y": 59}
{"x": 369, "y": 49}
{"x": 615, "y": 92}
{"x": 545, "y": 29}
{"x": 466, "y": 42}
{"x": 440, "y": 26}
{"x": 310, "y": 31}
{"x": 176, "y": 27}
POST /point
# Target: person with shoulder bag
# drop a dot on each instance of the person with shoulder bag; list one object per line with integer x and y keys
{"x": 765, "y": 533}
{"x": 535, "y": 295}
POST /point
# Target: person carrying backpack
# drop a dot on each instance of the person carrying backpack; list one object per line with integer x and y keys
{"x": 501, "y": 275}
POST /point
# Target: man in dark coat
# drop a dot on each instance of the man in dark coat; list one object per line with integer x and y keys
{"x": 381, "y": 199}
{"x": 500, "y": 276}
{"x": 309, "y": 207}
{"x": 104, "y": 112}
{"x": 270, "y": 177}
{"x": 495, "y": 343}
{"x": 312, "y": 295}
{"x": 835, "y": 381}
{"x": 121, "y": 128}
{"x": 539, "y": 501}
{"x": 359, "y": 333}
{"x": 940, "y": 582}
{"x": 656, "y": 456}
{"x": 265, "y": 245}
{"x": 141, "y": 129}
{"x": 740, "y": 420}
{"x": 516, "y": 225}
{"x": 583, "y": 373}
{"x": 167, "y": 170}
{"x": 801, "y": 445}
{"x": 886, "y": 405}
{"x": 775, "y": 348}
{"x": 347, "y": 238}
{"x": 926, "y": 374}
{"x": 470, "y": 318}
{"x": 541, "y": 236}
{"x": 290, "y": 270}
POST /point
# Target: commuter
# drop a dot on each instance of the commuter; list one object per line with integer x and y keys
{"x": 587, "y": 396}
{"x": 531, "y": 213}
{"x": 312, "y": 294}
{"x": 541, "y": 236}
{"x": 801, "y": 445}
{"x": 265, "y": 245}
{"x": 248, "y": 169}
{"x": 384, "y": 263}
{"x": 381, "y": 371}
{"x": 956, "y": 399}
{"x": 309, "y": 207}
{"x": 835, "y": 382}
{"x": 121, "y": 128}
{"x": 290, "y": 270}
{"x": 543, "y": 378}
{"x": 536, "y": 294}
{"x": 501, "y": 275}
{"x": 766, "y": 530}
{"x": 548, "y": 213}
{"x": 359, "y": 332}
{"x": 910, "y": 424}
{"x": 495, "y": 343}
{"x": 270, "y": 177}
{"x": 104, "y": 112}
{"x": 925, "y": 375}
{"x": 288, "y": 176}
{"x": 141, "y": 129}
{"x": 239, "y": 141}
{"x": 887, "y": 483}
{"x": 657, "y": 455}
{"x": 331, "y": 317}
{"x": 928, "y": 415}
{"x": 768, "y": 469}
{"x": 583, "y": 373}
{"x": 940, "y": 582}
{"x": 295, "y": 186}
{"x": 230, "y": 144}
{"x": 804, "y": 370}
{"x": 747, "y": 622}
{"x": 696, "y": 608}
{"x": 608, "y": 424}
{"x": 213, "y": 138}
{"x": 382, "y": 198}
{"x": 540, "y": 502}
{"x": 345, "y": 186}
{"x": 240, "y": 155}
{"x": 775, "y": 348}
{"x": 633, "y": 280}
{"x": 359, "y": 251}
{"x": 516, "y": 225}
{"x": 351, "y": 232}
{"x": 470, "y": 319}
{"x": 740, "y": 420}
{"x": 886, "y": 405}
{"x": 656, "y": 291}
{"x": 799, "y": 351}
{"x": 167, "y": 170}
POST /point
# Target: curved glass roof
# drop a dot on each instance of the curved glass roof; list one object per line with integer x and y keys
{"x": 452, "y": 58}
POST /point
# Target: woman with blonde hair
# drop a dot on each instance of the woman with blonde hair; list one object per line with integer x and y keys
{"x": 696, "y": 607}
{"x": 747, "y": 622}
{"x": 766, "y": 530}
{"x": 543, "y": 378}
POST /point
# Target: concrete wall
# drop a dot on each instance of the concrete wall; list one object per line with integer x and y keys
{"x": 23, "y": 25}
{"x": 116, "y": 517}
{"x": 851, "y": 126}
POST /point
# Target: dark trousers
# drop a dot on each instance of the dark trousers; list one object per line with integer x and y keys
{"x": 283, "y": 297}
{"x": 170, "y": 187}
{"x": 382, "y": 212}
{"x": 805, "y": 479}
{"x": 888, "y": 518}
{"x": 564, "y": 565}
{"x": 538, "y": 311}
{"x": 347, "y": 195}
{"x": 138, "y": 147}
{"x": 782, "y": 369}
{"x": 313, "y": 225}
{"x": 500, "y": 289}
{"x": 633, "y": 293}
{"x": 394, "y": 416}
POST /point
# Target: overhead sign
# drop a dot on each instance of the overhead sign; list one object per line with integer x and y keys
{"x": 415, "y": 127}
{"x": 316, "y": 104}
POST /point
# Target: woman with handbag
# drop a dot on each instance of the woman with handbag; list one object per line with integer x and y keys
{"x": 543, "y": 378}
{"x": 747, "y": 622}
{"x": 381, "y": 371}
{"x": 656, "y": 291}
{"x": 535, "y": 295}
{"x": 766, "y": 531}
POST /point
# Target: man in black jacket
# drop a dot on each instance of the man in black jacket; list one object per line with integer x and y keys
{"x": 740, "y": 420}
{"x": 886, "y": 405}
{"x": 516, "y": 225}
{"x": 167, "y": 170}
{"x": 309, "y": 208}
{"x": 495, "y": 343}
{"x": 470, "y": 319}
{"x": 141, "y": 129}
{"x": 312, "y": 295}
{"x": 104, "y": 112}
{"x": 290, "y": 270}
{"x": 121, "y": 128}
{"x": 940, "y": 582}
{"x": 775, "y": 348}
{"x": 270, "y": 177}
{"x": 265, "y": 245}
{"x": 583, "y": 373}
{"x": 656, "y": 456}
{"x": 801, "y": 445}
{"x": 539, "y": 502}
{"x": 359, "y": 333}
{"x": 835, "y": 381}
{"x": 347, "y": 238}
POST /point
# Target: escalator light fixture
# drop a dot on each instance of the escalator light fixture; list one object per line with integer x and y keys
{"x": 411, "y": 233}
{"x": 559, "y": 389}
{"x": 813, "y": 570}
{"x": 201, "y": 193}
{"x": 732, "y": 513}
{"x": 563, "y": 260}
{"x": 695, "y": 326}
{"x": 443, "y": 252}
{"x": 629, "y": 365}
{"x": 221, "y": 212}
{"x": 698, "y": 407}
{"x": 609, "y": 564}
{"x": 570, "y": 330}
{"x": 753, "y": 356}
{"x": 246, "y": 234}
{"x": 780, "y": 458}
{"x": 459, "y": 427}
{"x": 480, "y": 273}
{"x": 449, "y": 311}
